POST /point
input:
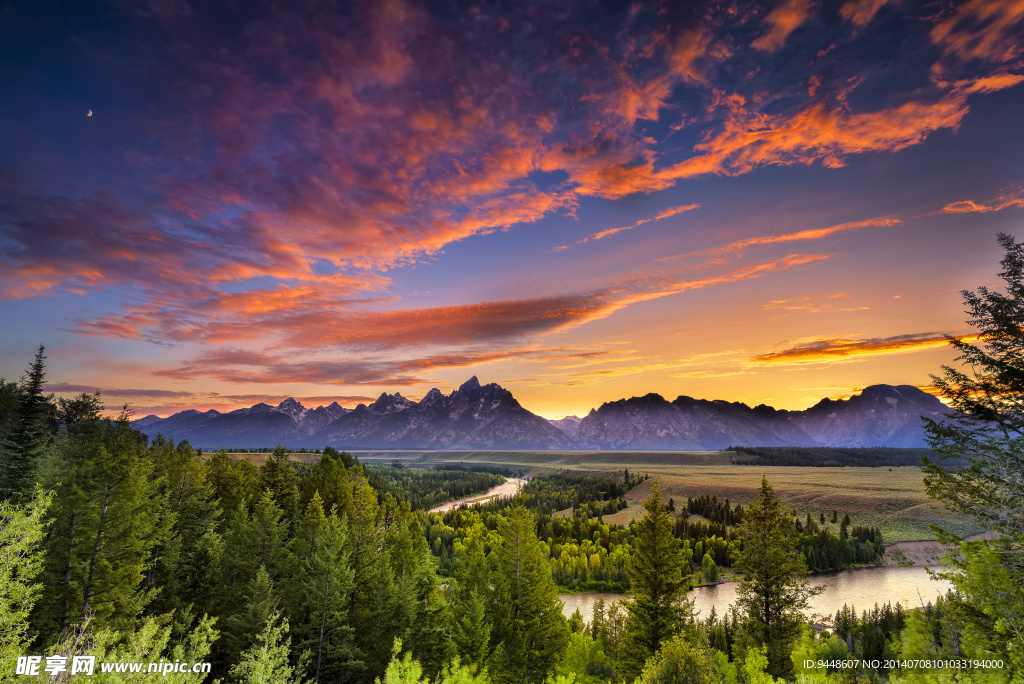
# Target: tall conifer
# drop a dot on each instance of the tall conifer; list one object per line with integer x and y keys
{"x": 774, "y": 589}
{"x": 529, "y": 629}
{"x": 106, "y": 519}
{"x": 657, "y": 608}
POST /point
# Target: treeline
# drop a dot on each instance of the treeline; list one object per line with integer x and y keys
{"x": 424, "y": 489}
{"x": 582, "y": 553}
{"x": 835, "y": 457}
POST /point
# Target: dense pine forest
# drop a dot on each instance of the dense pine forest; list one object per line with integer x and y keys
{"x": 835, "y": 457}
{"x": 131, "y": 549}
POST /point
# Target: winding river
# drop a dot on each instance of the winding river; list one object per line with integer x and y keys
{"x": 910, "y": 586}
{"x": 508, "y": 488}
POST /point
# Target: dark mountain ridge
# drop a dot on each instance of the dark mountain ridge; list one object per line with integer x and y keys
{"x": 881, "y": 416}
{"x": 479, "y": 416}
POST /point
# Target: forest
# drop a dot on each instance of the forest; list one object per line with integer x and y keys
{"x": 127, "y": 549}
{"x": 836, "y": 457}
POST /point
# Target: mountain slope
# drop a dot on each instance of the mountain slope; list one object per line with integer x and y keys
{"x": 479, "y": 416}
{"x": 882, "y": 415}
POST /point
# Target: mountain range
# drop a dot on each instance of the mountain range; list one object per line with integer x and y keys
{"x": 479, "y": 416}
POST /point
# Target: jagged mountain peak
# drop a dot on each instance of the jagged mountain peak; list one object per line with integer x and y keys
{"x": 470, "y": 385}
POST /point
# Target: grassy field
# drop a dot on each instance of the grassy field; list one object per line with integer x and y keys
{"x": 891, "y": 499}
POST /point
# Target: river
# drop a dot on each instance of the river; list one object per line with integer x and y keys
{"x": 508, "y": 488}
{"x": 862, "y": 588}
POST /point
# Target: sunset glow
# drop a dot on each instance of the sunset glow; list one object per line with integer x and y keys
{"x": 759, "y": 202}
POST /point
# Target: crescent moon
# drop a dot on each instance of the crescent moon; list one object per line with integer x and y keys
{"x": 89, "y": 113}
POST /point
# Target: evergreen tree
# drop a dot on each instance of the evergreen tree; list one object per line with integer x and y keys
{"x": 681, "y": 661}
{"x": 529, "y": 627}
{"x": 430, "y": 634}
{"x": 330, "y": 478}
{"x": 988, "y": 432}
{"x": 473, "y": 625}
{"x": 184, "y": 559}
{"x": 252, "y": 541}
{"x": 279, "y": 478}
{"x": 21, "y": 535}
{"x": 774, "y": 588}
{"x": 234, "y": 482}
{"x": 105, "y": 521}
{"x": 29, "y": 433}
{"x": 267, "y": 662}
{"x": 320, "y": 588}
{"x": 372, "y": 606}
{"x": 246, "y": 626}
{"x": 657, "y": 608}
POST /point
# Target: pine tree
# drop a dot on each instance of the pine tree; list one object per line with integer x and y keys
{"x": 22, "y": 448}
{"x": 21, "y": 535}
{"x": 330, "y": 478}
{"x": 657, "y": 608}
{"x": 245, "y": 626}
{"x": 182, "y": 564}
{"x": 529, "y": 628}
{"x": 372, "y": 606}
{"x": 267, "y": 662}
{"x": 279, "y": 478}
{"x": 430, "y": 634}
{"x": 988, "y": 432}
{"x": 473, "y": 625}
{"x": 105, "y": 522}
{"x": 774, "y": 588}
{"x": 319, "y": 591}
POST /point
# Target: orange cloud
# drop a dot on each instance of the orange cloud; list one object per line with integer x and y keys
{"x": 751, "y": 139}
{"x": 1005, "y": 201}
{"x": 982, "y": 29}
{"x": 782, "y": 21}
{"x": 671, "y": 211}
{"x": 808, "y": 304}
{"x": 833, "y": 350}
{"x": 860, "y": 12}
{"x": 738, "y": 246}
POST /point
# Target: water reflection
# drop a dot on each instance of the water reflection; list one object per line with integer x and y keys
{"x": 912, "y": 587}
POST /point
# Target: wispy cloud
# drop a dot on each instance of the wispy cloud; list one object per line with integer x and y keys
{"x": 860, "y": 12}
{"x": 1014, "y": 198}
{"x": 671, "y": 211}
{"x": 738, "y": 246}
{"x": 982, "y": 29}
{"x": 785, "y": 18}
{"x": 833, "y": 350}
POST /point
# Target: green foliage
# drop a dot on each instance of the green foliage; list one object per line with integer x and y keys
{"x": 424, "y": 489}
{"x": 320, "y": 585}
{"x": 708, "y": 569}
{"x": 25, "y": 417}
{"x": 988, "y": 433}
{"x": 107, "y": 517}
{"x": 529, "y": 629}
{"x": 681, "y": 660}
{"x": 584, "y": 660}
{"x": 774, "y": 588}
{"x": 280, "y": 479}
{"x": 329, "y": 479}
{"x": 809, "y": 649}
{"x": 151, "y": 642}
{"x": 266, "y": 661}
{"x": 755, "y": 666}
{"x": 657, "y": 569}
{"x": 21, "y": 531}
{"x": 829, "y": 457}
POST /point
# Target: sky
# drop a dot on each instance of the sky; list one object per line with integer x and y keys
{"x": 211, "y": 204}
